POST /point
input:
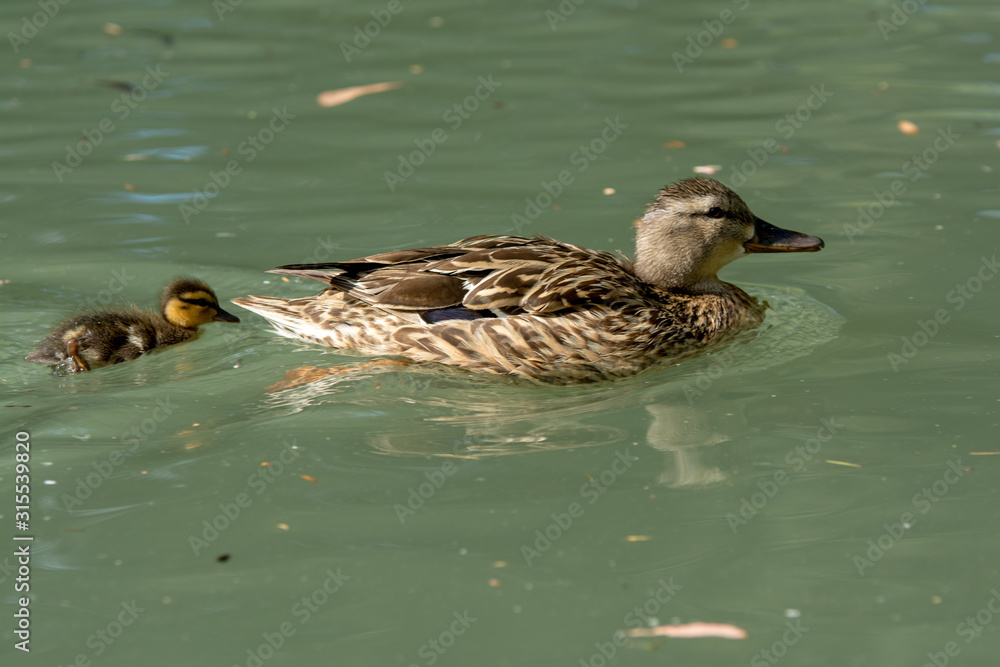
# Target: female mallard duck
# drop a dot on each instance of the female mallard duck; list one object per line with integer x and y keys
{"x": 542, "y": 309}
{"x": 110, "y": 337}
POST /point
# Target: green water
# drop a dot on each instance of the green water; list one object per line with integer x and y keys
{"x": 818, "y": 486}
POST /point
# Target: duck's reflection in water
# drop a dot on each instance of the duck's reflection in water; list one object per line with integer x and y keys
{"x": 681, "y": 432}
{"x": 700, "y": 413}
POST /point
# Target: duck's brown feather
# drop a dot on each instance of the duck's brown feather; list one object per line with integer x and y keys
{"x": 552, "y": 311}
{"x": 545, "y": 310}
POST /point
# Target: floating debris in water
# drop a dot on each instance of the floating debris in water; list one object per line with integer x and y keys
{"x": 115, "y": 30}
{"x": 332, "y": 98}
{"x": 691, "y": 631}
{"x": 127, "y": 86}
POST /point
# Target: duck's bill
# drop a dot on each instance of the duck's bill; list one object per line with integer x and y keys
{"x": 223, "y": 316}
{"x": 769, "y": 238}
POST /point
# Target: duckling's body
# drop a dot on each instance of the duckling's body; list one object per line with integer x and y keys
{"x": 109, "y": 337}
{"x": 545, "y": 310}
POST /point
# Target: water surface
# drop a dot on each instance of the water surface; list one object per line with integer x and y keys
{"x": 822, "y": 486}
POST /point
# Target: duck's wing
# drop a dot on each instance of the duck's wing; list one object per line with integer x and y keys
{"x": 502, "y": 274}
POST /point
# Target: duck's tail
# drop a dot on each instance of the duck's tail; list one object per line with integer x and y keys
{"x": 285, "y": 318}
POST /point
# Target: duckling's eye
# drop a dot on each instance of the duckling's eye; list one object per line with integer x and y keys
{"x": 715, "y": 212}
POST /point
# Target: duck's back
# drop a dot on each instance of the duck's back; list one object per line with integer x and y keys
{"x": 494, "y": 275}
{"x": 534, "y": 308}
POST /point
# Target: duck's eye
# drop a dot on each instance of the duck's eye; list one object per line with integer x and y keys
{"x": 715, "y": 212}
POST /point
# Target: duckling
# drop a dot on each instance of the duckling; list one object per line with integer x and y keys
{"x": 109, "y": 337}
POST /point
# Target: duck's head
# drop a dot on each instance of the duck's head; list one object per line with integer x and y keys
{"x": 697, "y": 226}
{"x": 189, "y": 303}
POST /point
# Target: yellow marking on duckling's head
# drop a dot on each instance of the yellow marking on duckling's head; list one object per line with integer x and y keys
{"x": 189, "y": 303}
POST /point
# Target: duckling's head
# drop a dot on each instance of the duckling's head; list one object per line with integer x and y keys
{"x": 697, "y": 226}
{"x": 189, "y": 303}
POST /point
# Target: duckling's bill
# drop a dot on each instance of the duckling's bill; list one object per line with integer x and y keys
{"x": 223, "y": 316}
